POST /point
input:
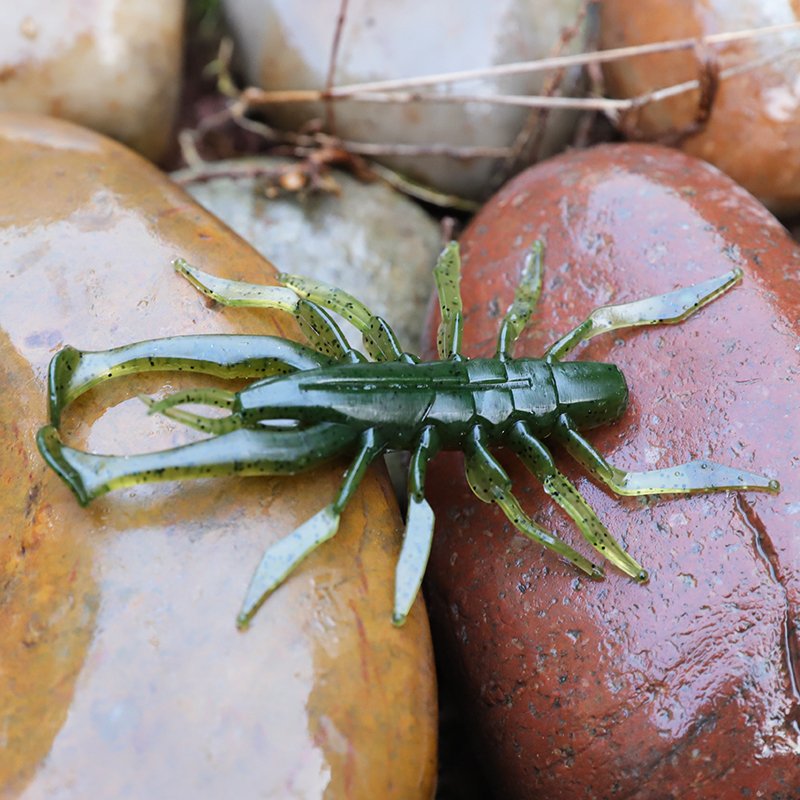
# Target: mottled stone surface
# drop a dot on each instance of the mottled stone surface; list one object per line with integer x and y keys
{"x": 683, "y": 688}
{"x": 123, "y": 674}
{"x": 370, "y": 241}
{"x": 753, "y": 133}
{"x": 112, "y": 65}
{"x": 285, "y": 47}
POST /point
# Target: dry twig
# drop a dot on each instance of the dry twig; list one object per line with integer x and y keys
{"x": 408, "y": 90}
{"x": 261, "y": 97}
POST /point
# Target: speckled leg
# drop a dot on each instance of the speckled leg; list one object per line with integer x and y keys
{"x": 447, "y": 274}
{"x": 315, "y": 322}
{"x": 669, "y": 308}
{"x": 379, "y": 339}
{"x": 210, "y": 397}
{"x": 696, "y": 476}
{"x": 491, "y": 484}
{"x": 419, "y": 528}
{"x": 284, "y": 556}
{"x": 242, "y": 452}
{"x": 525, "y": 299}
{"x": 539, "y": 461}
{"x": 72, "y": 372}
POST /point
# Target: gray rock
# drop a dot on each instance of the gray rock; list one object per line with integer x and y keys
{"x": 371, "y": 241}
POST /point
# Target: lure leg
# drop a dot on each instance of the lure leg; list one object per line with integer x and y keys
{"x": 491, "y": 484}
{"x": 525, "y": 299}
{"x": 419, "y": 528}
{"x": 696, "y": 476}
{"x": 315, "y": 322}
{"x": 242, "y": 452}
{"x": 536, "y": 457}
{"x": 72, "y": 372}
{"x": 284, "y": 556}
{"x": 212, "y": 397}
{"x": 379, "y": 339}
{"x": 447, "y": 274}
{"x": 669, "y": 308}
{"x": 307, "y": 300}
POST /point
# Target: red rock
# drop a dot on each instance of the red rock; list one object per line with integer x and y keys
{"x": 685, "y": 687}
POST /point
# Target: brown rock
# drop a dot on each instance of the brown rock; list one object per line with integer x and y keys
{"x": 752, "y": 134}
{"x": 685, "y": 687}
{"x": 123, "y": 673}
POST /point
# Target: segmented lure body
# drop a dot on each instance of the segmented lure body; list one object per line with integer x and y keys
{"x": 311, "y": 404}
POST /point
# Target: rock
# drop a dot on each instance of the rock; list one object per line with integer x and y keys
{"x": 371, "y": 241}
{"x": 752, "y": 132}
{"x": 284, "y": 47}
{"x": 123, "y": 671}
{"x": 112, "y": 66}
{"x": 684, "y": 687}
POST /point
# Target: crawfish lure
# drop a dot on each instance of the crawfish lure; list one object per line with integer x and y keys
{"x": 310, "y": 404}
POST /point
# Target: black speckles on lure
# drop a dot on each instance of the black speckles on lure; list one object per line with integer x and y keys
{"x": 310, "y": 404}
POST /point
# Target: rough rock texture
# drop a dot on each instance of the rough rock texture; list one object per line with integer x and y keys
{"x": 123, "y": 674}
{"x": 752, "y": 134}
{"x": 686, "y": 687}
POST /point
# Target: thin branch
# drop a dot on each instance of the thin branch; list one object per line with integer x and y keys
{"x": 557, "y": 62}
{"x": 531, "y": 101}
{"x": 730, "y": 72}
{"x": 367, "y": 149}
{"x": 424, "y": 192}
{"x": 259, "y": 97}
{"x": 330, "y": 121}
{"x": 209, "y": 170}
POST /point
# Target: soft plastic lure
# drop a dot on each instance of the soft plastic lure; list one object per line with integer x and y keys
{"x": 310, "y": 405}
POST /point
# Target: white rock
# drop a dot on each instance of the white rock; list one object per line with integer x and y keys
{"x": 285, "y": 46}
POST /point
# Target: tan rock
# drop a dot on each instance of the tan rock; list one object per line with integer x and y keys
{"x": 112, "y": 65}
{"x": 753, "y": 133}
{"x": 122, "y": 671}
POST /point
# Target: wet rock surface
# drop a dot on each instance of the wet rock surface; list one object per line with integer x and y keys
{"x": 684, "y": 687}
{"x": 752, "y": 133}
{"x": 123, "y": 674}
{"x": 370, "y": 240}
{"x": 112, "y": 65}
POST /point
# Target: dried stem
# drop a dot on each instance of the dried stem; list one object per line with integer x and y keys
{"x": 330, "y": 119}
{"x": 257, "y": 96}
{"x": 528, "y": 142}
{"x": 209, "y": 170}
{"x": 423, "y": 192}
{"x": 730, "y": 72}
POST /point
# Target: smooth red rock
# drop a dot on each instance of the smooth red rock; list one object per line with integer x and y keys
{"x": 685, "y": 687}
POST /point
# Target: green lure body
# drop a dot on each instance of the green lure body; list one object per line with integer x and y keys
{"x": 402, "y": 399}
{"x": 310, "y": 404}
